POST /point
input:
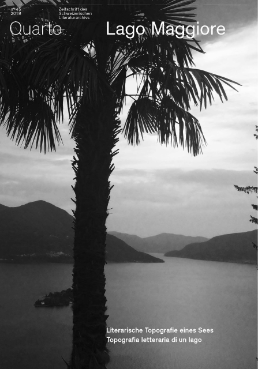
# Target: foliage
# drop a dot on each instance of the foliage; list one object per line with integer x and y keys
{"x": 251, "y": 189}
{"x": 76, "y": 67}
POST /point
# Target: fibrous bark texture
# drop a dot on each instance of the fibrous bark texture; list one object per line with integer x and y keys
{"x": 95, "y": 136}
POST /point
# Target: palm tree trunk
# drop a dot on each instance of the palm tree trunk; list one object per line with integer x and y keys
{"x": 95, "y": 138}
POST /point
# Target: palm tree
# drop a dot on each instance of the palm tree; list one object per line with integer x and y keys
{"x": 89, "y": 70}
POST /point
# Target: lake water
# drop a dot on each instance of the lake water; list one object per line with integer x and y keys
{"x": 179, "y": 293}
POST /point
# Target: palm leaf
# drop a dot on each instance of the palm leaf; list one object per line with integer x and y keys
{"x": 33, "y": 122}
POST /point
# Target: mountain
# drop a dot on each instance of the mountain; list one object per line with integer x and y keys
{"x": 35, "y": 227}
{"x": 235, "y": 247}
{"x": 41, "y": 231}
{"x": 162, "y": 243}
{"x": 119, "y": 251}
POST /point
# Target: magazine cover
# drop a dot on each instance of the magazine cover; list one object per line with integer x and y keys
{"x": 128, "y": 184}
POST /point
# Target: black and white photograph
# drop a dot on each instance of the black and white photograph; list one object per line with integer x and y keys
{"x": 128, "y": 184}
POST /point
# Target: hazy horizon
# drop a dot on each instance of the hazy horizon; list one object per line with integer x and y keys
{"x": 131, "y": 234}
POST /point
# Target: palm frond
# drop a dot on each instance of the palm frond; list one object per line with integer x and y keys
{"x": 172, "y": 124}
{"x": 32, "y": 122}
{"x": 141, "y": 119}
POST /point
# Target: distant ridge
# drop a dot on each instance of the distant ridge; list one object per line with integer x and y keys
{"x": 40, "y": 231}
{"x": 119, "y": 251}
{"x": 162, "y": 242}
{"x": 235, "y": 247}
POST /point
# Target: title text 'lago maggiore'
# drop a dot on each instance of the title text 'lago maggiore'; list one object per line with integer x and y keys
{"x": 179, "y": 31}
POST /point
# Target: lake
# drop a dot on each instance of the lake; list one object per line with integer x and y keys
{"x": 178, "y": 294}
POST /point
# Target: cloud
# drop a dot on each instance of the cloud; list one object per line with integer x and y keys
{"x": 231, "y": 14}
{"x": 16, "y": 190}
{"x": 167, "y": 185}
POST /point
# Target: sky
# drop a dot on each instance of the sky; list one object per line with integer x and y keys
{"x": 164, "y": 189}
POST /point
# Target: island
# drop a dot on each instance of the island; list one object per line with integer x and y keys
{"x": 63, "y": 298}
